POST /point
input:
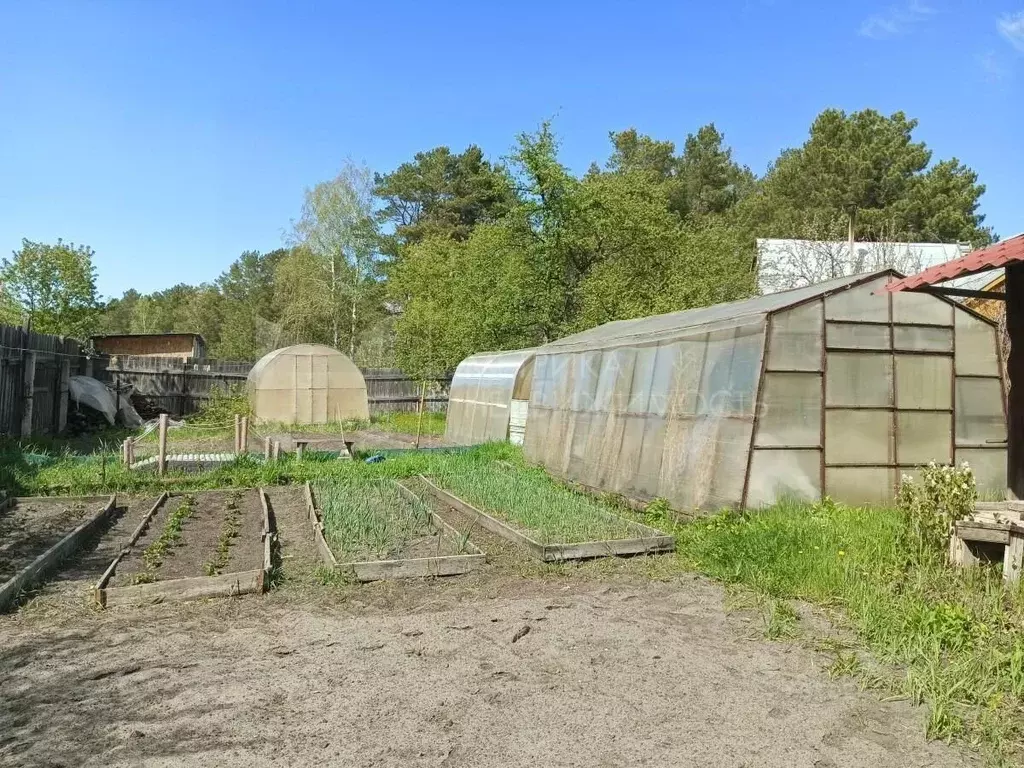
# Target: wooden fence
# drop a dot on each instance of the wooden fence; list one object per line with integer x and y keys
{"x": 180, "y": 387}
{"x": 34, "y": 373}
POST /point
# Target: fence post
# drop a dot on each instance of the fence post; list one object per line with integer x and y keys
{"x": 266, "y": 449}
{"x": 161, "y": 459}
{"x": 88, "y": 366}
{"x": 125, "y": 452}
{"x": 238, "y": 432}
{"x": 419, "y": 420}
{"x": 62, "y": 403}
{"x": 277, "y": 450}
{"x": 29, "y": 383}
{"x": 243, "y": 443}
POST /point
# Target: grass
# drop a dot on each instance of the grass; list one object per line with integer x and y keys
{"x": 531, "y": 501}
{"x": 369, "y": 520}
{"x": 228, "y": 533}
{"x": 170, "y": 536}
{"x": 954, "y": 637}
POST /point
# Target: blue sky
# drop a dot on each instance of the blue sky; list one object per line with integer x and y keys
{"x": 170, "y": 136}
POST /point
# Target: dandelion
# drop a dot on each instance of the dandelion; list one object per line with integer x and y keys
{"x": 842, "y": 553}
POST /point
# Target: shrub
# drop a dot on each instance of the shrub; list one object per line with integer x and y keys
{"x": 942, "y": 495}
{"x": 222, "y": 406}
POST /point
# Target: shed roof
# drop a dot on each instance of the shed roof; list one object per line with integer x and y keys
{"x": 701, "y": 319}
{"x": 995, "y": 256}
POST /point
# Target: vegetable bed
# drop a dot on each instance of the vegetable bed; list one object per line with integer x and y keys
{"x": 36, "y": 534}
{"x": 551, "y": 521}
{"x": 193, "y": 545}
{"x": 373, "y": 529}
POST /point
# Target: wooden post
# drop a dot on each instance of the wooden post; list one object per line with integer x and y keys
{"x": 88, "y": 366}
{"x": 131, "y": 453}
{"x": 243, "y": 443}
{"x": 28, "y": 383}
{"x": 126, "y": 453}
{"x": 419, "y": 420}
{"x": 62, "y": 402}
{"x": 238, "y": 434}
{"x": 161, "y": 458}
{"x": 277, "y": 450}
{"x": 266, "y": 449}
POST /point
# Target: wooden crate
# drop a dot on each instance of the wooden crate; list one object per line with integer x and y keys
{"x": 996, "y": 525}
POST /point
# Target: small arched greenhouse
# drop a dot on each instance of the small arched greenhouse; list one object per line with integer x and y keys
{"x": 831, "y": 390}
{"x": 489, "y": 397}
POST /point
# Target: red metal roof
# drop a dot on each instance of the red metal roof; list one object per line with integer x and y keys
{"x": 993, "y": 257}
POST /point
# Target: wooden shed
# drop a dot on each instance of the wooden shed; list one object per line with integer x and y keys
{"x": 183, "y": 345}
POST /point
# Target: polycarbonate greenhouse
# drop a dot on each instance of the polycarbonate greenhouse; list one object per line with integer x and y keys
{"x": 825, "y": 390}
{"x": 489, "y": 397}
{"x": 307, "y": 384}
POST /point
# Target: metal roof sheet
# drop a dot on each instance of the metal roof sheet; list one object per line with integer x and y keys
{"x": 993, "y": 257}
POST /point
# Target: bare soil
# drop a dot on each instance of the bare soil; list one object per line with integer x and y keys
{"x": 200, "y": 535}
{"x": 32, "y": 526}
{"x": 610, "y": 663}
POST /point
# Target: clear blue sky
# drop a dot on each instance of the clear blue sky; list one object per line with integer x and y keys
{"x": 172, "y": 135}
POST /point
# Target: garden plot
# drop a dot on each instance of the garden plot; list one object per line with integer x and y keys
{"x": 36, "y": 534}
{"x": 193, "y": 545}
{"x": 371, "y": 530}
{"x": 550, "y": 521}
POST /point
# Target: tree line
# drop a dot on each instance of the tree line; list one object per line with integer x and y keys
{"x": 453, "y": 253}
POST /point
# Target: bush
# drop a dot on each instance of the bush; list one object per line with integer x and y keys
{"x": 942, "y": 495}
{"x": 222, "y": 406}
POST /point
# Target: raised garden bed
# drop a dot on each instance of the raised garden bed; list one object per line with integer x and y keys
{"x": 372, "y": 530}
{"x": 38, "y": 533}
{"x": 551, "y": 522}
{"x": 193, "y": 545}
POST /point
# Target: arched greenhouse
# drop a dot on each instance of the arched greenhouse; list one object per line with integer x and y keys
{"x": 831, "y": 390}
{"x": 489, "y": 398}
{"x": 307, "y": 384}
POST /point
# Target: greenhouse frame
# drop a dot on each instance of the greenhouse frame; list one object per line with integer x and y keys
{"x": 831, "y": 389}
{"x": 489, "y": 397}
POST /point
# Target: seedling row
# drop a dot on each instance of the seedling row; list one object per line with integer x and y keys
{"x": 193, "y": 545}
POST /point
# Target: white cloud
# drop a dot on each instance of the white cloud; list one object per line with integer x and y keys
{"x": 1011, "y": 26}
{"x": 895, "y": 20}
{"x": 992, "y": 67}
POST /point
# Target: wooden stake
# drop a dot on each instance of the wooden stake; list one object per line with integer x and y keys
{"x": 161, "y": 458}
{"x": 419, "y": 420}
{"x": 277, "y": 450}
{"x": 238, "y": 433}
{"x": 243, "y": 445}
{"x": 131, "y": 453}
{"x": 266, "y": 449}
{"x": 28, "y": 387}
{"x": 124, "y": 453}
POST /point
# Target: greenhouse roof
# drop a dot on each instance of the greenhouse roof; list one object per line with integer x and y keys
{"x": 703, "y": 319}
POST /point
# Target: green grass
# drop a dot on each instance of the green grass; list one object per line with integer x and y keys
{"x": 369, "y": 519}
{"x": 405, "y": 423}
{"x": 529, "y": 500}
{"x": 954, "y": 637}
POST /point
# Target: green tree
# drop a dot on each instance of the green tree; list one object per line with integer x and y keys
{"x": 441, "y": 193}
{"x": 867, "y": 168}
{"x": 339, "y": 240}
{"x": 55, "y": 285}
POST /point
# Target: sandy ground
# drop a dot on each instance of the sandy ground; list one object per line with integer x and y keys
{"x": 613, "y": 670}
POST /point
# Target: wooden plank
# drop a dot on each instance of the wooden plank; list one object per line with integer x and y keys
{"x": 139, "y": 530}
{"x": 998, "y": 533}
{"x": 193, "y": 588}
{"x": 1013, "y": 559}
{"x": 36, "y": 571}
{"x": 269, "y": 539}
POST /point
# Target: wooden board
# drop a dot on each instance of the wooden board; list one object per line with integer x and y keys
{"x": 192, "y": 588}
{"x": 37, "y": 571}
{"x": 656, "y": 543}
{"x": 408, "y": 568}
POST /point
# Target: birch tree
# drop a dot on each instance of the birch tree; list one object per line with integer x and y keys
{"x": 336, "y": 230}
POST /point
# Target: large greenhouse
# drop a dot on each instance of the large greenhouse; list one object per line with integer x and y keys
{"x": 829, "y": 390}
